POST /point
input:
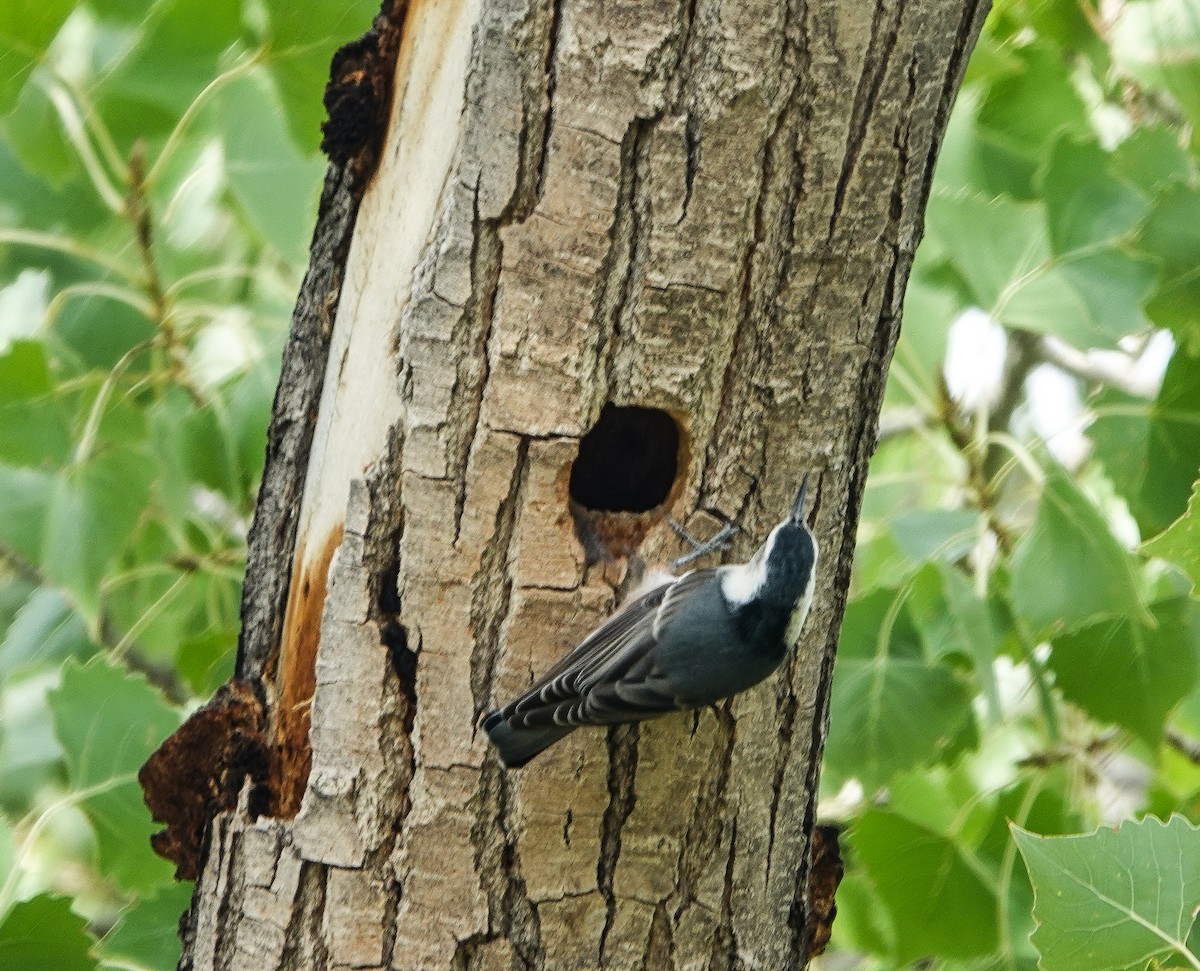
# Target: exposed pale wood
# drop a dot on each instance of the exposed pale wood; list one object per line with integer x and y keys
{"x": 708, "y": 208}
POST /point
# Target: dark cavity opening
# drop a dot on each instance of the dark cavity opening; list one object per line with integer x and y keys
{"x": 627, "y": 462}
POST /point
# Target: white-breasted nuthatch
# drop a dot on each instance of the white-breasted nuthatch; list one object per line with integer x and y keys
{"x": 687, "y": 643}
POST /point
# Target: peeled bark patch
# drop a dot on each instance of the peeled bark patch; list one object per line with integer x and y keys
{"x": 201, "y": 771}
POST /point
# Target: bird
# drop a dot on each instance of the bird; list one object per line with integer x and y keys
{"x": 688, "y": 643}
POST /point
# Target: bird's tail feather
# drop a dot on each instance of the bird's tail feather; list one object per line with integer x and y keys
{"x": 517, "y": 745}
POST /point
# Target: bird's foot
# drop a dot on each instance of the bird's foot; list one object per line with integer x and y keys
{"x": 701, "y": 547}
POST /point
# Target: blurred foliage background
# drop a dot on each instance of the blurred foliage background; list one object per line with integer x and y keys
{"x": 1023, "y": 641}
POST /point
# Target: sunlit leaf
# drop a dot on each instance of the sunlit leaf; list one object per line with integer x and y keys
{"x": 938, "y": 904}
{"x": 1155, "y": 667}
{"x": 1068, "y": 570}
{"x": 1180, "y": 542}
{"x": 44, "y": 934}
{"x": 109, "y": 721}
{"x": 26, "y": 29}
{"x": 274, "y": 182}
{"x": 1115, "y": 899}
{"x": 882, "y": 677}
{"x": 144, "y": 935}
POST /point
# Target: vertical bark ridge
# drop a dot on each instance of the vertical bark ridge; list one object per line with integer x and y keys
{"x": 472, "y": 333}
{"x": 305, "y": 947}
{"x": 491, "y": 598}
{"x": 622, "y": 794}
{"x": 623, "y": 267}
{"x": 511, "y": 916}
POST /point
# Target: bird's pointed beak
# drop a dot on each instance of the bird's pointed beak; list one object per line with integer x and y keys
{"x": 798, "y": 505}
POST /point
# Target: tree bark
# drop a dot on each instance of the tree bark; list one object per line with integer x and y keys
{"x": 708, "y": 208}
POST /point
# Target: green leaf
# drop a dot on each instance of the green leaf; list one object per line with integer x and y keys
{"x": 1119, "y": 438}
{"x": 8, "y": 852}
{"x": 1068, "y": 570}
{"x": 972, "y": 160}
{"x": 938, "y": 903}
{"x": 23, "y": 499}
{"x": 274, "y": 183}
{"x": 1152, "y": 157}
{"x": 34, "y": 426}
{"x": 1158, "y": 42}
{"x": 882, "y": 677}
{"x": 976, "y": 631}
{"x": 1152, "y": 451}
{"x": 100, "y": 330}
{"x": 1002, "y": 251}
{"x": 936, "y": 534}
{"x": 34, "y": 132}
{"x": 143, "y": 935}
{"x": 1025, "y": 110}
{"x": 26, "y": 29}
{"x": 109, "y": 721}
{"x": 43, "y": 934}
{"x": 1172, "y": 446}
{"x": 206, "y": 660}
{"x": 1175, "y": 305}
{"x": 1155, "y": 667}
{"x": 1180, "y": 542}
{"x": 92, "y": 513}
{"x": 1085, "y": 203}
{"x": 193, "y": 447}
{"x": 1170, "y": 230}
{"x": 301, "y": 42}
{"x": 250, "y": 399}
{"x": 862, "y": 923}
{"x": 30, "y": 756}
{"x": 178, "y": 50}
{"x": 929, "y": 310}
{"x": 45, "y": 631}
{"x": 1114, "y": 899}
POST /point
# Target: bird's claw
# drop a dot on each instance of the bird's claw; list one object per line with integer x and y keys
{"x": 700, "y": 547}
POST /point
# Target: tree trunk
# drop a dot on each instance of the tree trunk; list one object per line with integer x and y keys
{"x": 706, "y": 208}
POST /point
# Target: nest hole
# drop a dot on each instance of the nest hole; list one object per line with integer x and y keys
{"x": 625, "y": 474}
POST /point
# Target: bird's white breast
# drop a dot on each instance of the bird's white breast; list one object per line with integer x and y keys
{"x": 800, "y": 611}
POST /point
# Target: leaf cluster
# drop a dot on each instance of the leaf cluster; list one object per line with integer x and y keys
{"x": 1023, "y": 640}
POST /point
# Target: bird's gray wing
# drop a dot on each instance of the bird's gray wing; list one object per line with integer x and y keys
{"x": 611, "y": 676}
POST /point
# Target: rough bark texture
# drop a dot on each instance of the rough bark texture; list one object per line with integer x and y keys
{"x": 706, "y": 207}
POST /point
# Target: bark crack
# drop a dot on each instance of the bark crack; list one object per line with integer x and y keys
{"x": 623, "y": 267}
{"x": 622, "y": 795}
{"x": 702, "y": 839}
{"x": 725, "y": 947}
{"x": 876, "y": 62}
{"x": 473, "y": 335}
{"x": 304, "y": 943}
{"x": 511, "y": 915}
{"x": 491, "y": 587}
{"x": 785, "y": 707}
